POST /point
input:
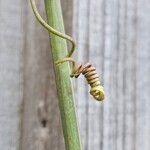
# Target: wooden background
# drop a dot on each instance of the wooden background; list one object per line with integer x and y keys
{"x": 112, "y": 34}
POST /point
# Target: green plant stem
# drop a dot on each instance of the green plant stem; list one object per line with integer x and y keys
{"x": 62, "y": 74}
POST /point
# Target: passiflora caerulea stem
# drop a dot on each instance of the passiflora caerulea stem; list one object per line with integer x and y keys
{"x": 62, "y": 72}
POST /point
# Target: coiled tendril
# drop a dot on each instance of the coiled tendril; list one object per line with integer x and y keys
{"x": 97, "y": 91}
{"x": 87, "y": 69}
{"x": 92, "y": 78}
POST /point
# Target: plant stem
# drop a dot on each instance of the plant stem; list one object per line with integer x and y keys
{"x": 62, "y": 74}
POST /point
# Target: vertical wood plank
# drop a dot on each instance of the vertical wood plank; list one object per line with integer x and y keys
{"x": 10, "y": 74}
{"x": 96, "y": 48}
{"x": 110, "y": 74}
{"x": 143, "y": 81}
{"x": 118, "y": 30}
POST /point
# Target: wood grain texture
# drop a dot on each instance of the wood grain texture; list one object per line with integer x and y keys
{"x": 10, "y": 74}
{"x": 114, "y": 35}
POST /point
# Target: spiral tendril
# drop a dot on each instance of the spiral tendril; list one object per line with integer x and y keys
{"x": 97, "y": 91}
{"x": 87, "y": 69}
{"x": 92, "y": 78}
{"x": 52, "y": 30}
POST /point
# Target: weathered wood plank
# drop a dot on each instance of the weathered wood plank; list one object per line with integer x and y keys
{"x": 96, "y": 45}
{"x": 143, "y": 72}
{"x": 10, "y": 74}
{"x": 118, "y": 30}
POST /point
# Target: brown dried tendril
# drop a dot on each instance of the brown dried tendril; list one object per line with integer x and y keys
{"x": 97, "y": 91}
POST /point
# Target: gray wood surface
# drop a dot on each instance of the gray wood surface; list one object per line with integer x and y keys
{"x": 114, "y": 35}
{"x": 10, "y": 74}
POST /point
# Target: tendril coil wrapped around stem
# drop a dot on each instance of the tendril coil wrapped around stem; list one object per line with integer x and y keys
{"x": 87, "y": 69}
